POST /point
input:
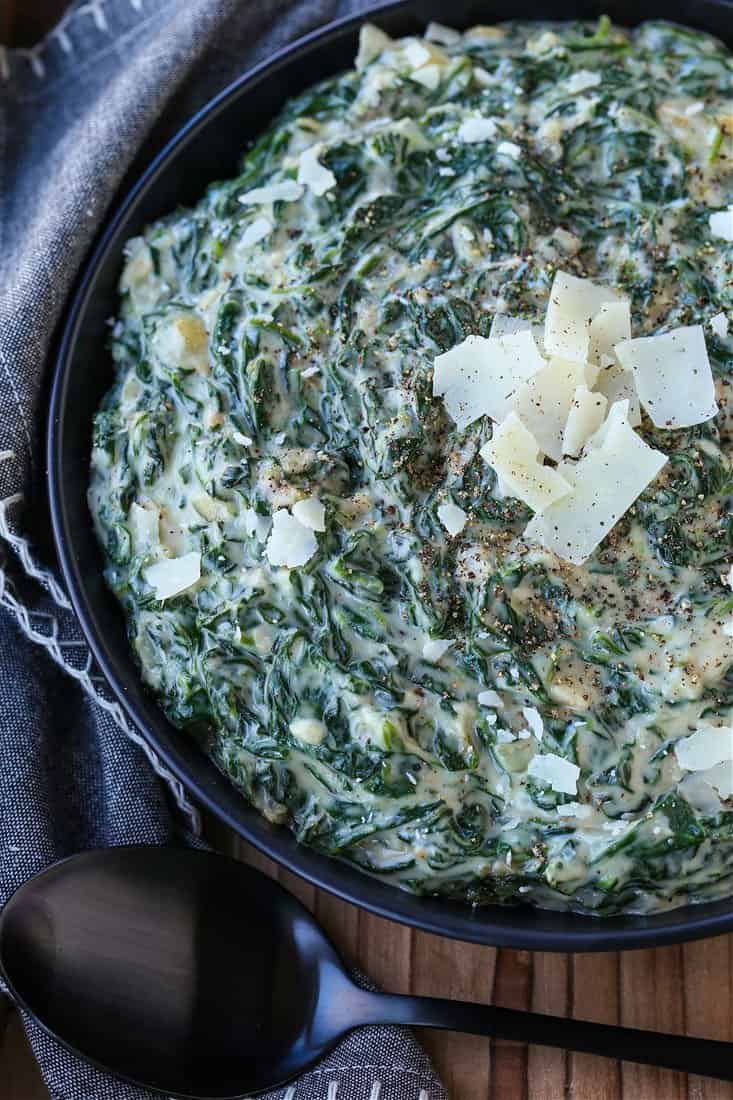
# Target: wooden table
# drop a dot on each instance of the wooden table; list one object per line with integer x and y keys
{"x": 686, "y": 989}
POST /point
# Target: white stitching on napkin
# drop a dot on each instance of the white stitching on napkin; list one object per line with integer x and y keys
{"x": 22, "y": 549}
{"x": 376, "y": 1089}
{"x": 333, "y": 1087}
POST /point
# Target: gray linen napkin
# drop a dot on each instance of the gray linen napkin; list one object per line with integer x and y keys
{"x": 110, "y": 83}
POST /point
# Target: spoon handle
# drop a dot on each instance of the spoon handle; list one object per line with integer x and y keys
{"x": 707, "y": 1057}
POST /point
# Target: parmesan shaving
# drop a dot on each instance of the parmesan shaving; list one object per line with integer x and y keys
{"x": 554, "y": 771}
{"x": 616, "y": 467}
{"x": 452, "y": 517}
{"x": 291, "y": 543}
{"x": 285, "y": 191}
{"x": 311, "y": 513}
{"x": 476, "y": 129}
{"x": 256, "y": 231}
{"x": 585, "y": 417}
{"x": 617, "y": 384}
{"x": 514, "y": 454}
{"x": 490, "y": 699}
{"x": 609, "y": 327}
{"x": 544, "y": 402}
{"x": 372, "y": 42}
{"x": 721, "y": 224}
{"x": 719, "y": 325}
{"x": 312, "y": 174}
{"x": 444, "y": 36}
{"x": 572, "y": 306}
{"x": 434, "y": 649}
{"x": 705, "y": 748}
{"x": 672, "y": 376}
{"x": 171, "y": 576}
{"x": 478, "y": 377}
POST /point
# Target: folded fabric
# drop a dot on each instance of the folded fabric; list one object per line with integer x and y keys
{"x": 88, "y": 105}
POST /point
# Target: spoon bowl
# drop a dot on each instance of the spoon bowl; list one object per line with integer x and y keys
{"x": 183, "y": 971}
{"x": 197, "y": 976}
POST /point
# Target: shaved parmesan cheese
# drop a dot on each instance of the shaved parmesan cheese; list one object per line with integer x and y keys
{"x": 572, "y": 306}
{"x": 719, "y": 325}
{"x": 585, "y": 417}
{"x": 509, "y": 149}
{"x": 372, "y": 42}
{"x": 434, "y": 649}
{"x": 720, "y": 777}
{"x": 616, "y": 467}
{"x": 312, "y": 174}
{"x": 256, "y": 231}
{"x": 705, "y": 748}
{"x": 534, "y": 721}
{"x": 581, "y": 80}
{"x": 721, "y": 224}
{"x": 416, "y": 54}
{"x": 544, "y": 402}
{"x": 514, "y": 455}
{"x": 452, "y": 517}
{"x": 308, "y": 730}
{"x": 617, "y": 384}
{"x": 428, "y": 76}
{"x": 473, "y": 130}
{"x": 444, "y": 36}
{"x": 478, "y": 377}
{"x": 504, "y": 325}
{"x": 144, "y": 523}
{"x": 286, "y": 191}
{"x": 182, "y": 341}
{"x": 574, "y": 809}
{"x": 490, "y": 699}
{"x": 672, "y": 376}
{"x": 255, "y": 525}
{"x": 311, "y": 513}
{"x": 555, "y": 772}
{"x": 291, "y": 543}
{"x": 171, "y": 576}
{"x": 609, "y": 327}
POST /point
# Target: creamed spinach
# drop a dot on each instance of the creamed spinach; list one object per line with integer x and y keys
{"x": 279, "y": 349}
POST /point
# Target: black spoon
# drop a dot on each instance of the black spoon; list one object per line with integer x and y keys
{"x": 198, "y": 976}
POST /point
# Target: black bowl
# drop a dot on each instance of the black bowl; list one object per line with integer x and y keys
{"x": 203, "y": 151}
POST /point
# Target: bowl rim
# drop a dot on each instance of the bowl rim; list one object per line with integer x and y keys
{"x": 501, "y": 926}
